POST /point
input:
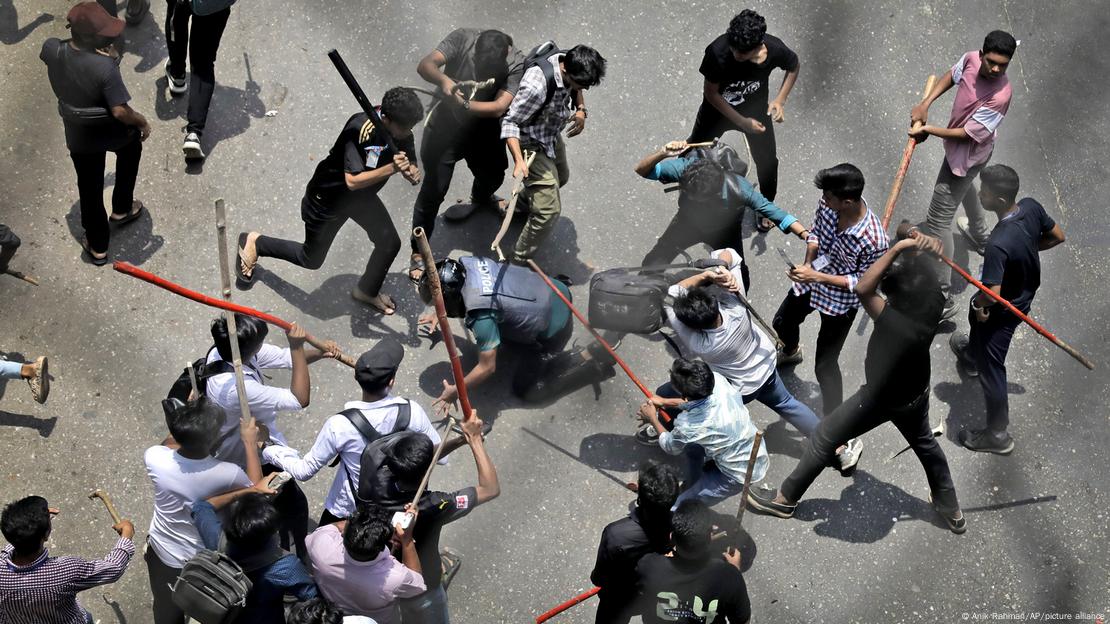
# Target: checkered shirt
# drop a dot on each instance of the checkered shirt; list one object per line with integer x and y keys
{"x": 45, "y": 592}
{"x": 849, "y": 253}
{"x": 522, "y": 121}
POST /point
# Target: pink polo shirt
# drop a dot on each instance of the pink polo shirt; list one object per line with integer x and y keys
{"x": 978, "y": 108}
{"x": 369, "y": 588}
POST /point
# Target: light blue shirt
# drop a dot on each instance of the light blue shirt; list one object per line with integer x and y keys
{"x": 670, "y": 171}
{"x": 721, "y": 425}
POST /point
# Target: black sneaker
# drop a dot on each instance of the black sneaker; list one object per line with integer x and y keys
{"x": 958, "y": 343}
{"x": 647, "y": 435}
{"x": 951, "y": 308}
{"x": 762, "y": 499}
{"x": 986, "y": 441}
{"x": 957, "y": 522}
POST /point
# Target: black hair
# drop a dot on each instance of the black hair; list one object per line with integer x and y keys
{"x": 410, "y": 457}
{"x": 697, "y": 309}
{"x": 491, "y": 51}
{"x": 25, "y": 524}
{"x": 250, "y": 330}
{"x": 1001, "y": 42}
{"x": 196, "y": 425}
{"x": 746, "y": 31}
{"x": 691, "y": 529}
{"x": 1002, "y": 180}
{"x": 844, "y": 181}
{"x": 374, "y": 388}
{"x": 912, "y": 288}
{"x": 691, "y": 378}
{"x": 584, "y": 65}
{"x": 402, "y": 106}
{"x": 702, "y": 178}
{"x": 252, "y": 521}
{"x": 368, "y": 531}
{"x": 317, "y": 610}
{"x": 657, "y": 488}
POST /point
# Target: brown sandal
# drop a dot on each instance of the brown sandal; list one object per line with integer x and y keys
{"x": 416, "y": 268}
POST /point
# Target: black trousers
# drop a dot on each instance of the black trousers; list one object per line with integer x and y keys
{"x": 830, "y": 340}
{"x": 323, "y": 217}
{"x": 201, "y": 42}
{"x": 988, "y": 343}
{"x": 711, "y": 124}
{"x": 327, "y": 518}
{"x": 445, "y": 143}
{"x": 687, "y": 228}
{"x": 162, "y": 577}
{"x": 533, "y": 370}
{"x": 9, "y": 244}
{"x": 90, "y": 188}
{"x": 292, "y": 504}
{"x": 857, "y": 416}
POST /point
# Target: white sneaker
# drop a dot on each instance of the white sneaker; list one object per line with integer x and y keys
{"x": 191, "y": 147}
{"x": 848, "y": 458}
{"x": 178, "y": 86}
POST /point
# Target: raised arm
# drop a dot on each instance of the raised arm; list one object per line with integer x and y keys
{"x": 868, "y": 285}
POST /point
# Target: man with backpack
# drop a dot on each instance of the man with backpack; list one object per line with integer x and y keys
{"x": 355, "y": 569}
{"x": 713, "y": 194}
{"x": 248, "y": 536}
{"x": 553, "y": 81}
{"x": 183, "y": 471}
{"x": 200, "y": 40}
{"x": 346, "y": 435}
{"x": 406, "y": 462}
{"x": 462, "y": 128}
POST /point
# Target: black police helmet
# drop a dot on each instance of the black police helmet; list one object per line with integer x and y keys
{"x": 452, "y": 276}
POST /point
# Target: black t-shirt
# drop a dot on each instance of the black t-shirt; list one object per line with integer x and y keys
{"x": 683, "y": 591}
{"x": 458, "y": 49}
{"x": 622, "y": 545}
{"x": 1012, "y": 257}
{"x": 897, "y": 363}
{"x": 745, "y": 84}
{"x": 435, "y": 510}
{"x": 360, "y": 147}
{"x": 86, "y": 80}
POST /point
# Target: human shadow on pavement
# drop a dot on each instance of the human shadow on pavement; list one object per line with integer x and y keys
{"x": 45, "y": 426}
{"x": 867, "y": 511}
{"x": 781, "y": 439}
{"x": 966, "y": 407}
{"x": 10, "y": 32}
{"x": 582, "y": 459}
{"x": 147, "y": 41}
{"x": 488, "y": 399}
{"x": 332, "y": 299}
{"x": 134, "y": 242}
{"x": 229, "y": 114}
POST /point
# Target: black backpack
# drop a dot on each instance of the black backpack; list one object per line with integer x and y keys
{"x": 538, "y": 57}
{"x": 725, "y": 158}
{"x": 374, "y": 478}
{"x": 182, "y": 386}
{"x": 631, "y": 299}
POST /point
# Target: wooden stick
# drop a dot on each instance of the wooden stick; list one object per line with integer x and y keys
{"x": 1021, "y": 315}
{"x": 435, "y": 458}
{"x": 518, "y": 188}
{"x": 907, "y": 154}
{"x": 703, "y": 144}
{"x": 192, "y": 378}
{"x": 177, "y": 289}
{"x": 107, "y": 500}
{"x": 27, "y": 278}
{"x": 436, "y": 289}
{"x": 748, "y": 476}
{"x": 232, "y": 330}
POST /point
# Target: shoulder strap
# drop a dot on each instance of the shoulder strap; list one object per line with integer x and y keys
{"x": 548, "y": 70}
{"x": 404, "y": 411}
{"x": 364, "y": 427}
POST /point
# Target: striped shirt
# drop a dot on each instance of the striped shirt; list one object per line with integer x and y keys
{"x": 522, "y": 121}
{"x": 45, "y": 592}
{"x": 848, "y": 253}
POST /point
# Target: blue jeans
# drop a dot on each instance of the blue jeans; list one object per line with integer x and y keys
{"x": 708, "y": 483}
{"x": 774, "y": 395}
{"x": 10, "y": 370}
{"x": 427, "y": 608}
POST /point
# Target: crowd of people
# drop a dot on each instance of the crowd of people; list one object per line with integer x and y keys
{"x": 227, "y": 505}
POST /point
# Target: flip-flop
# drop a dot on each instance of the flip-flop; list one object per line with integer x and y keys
{"x": 449, "y": 563}
{"x": 416, "y": 268}
{"x": 245, "y": 273}
{"x": 93, "y": 258}
{"x": 764, "y": 225}
{"x": 131, "y": 216}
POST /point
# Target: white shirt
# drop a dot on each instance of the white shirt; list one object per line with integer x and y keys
{"x": 178, "y": 483}
{"x": 265, "y": 401}
{"x": 738, "y": 349}
{"x": 339, "y": 436}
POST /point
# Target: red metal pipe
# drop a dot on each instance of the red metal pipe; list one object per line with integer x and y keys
{"x": 568, "y": 604}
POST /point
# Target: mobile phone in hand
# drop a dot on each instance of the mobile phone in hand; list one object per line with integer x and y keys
{"x": 786, "y": 259}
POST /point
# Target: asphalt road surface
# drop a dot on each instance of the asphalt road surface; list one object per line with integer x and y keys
{"x": 865, "y": 549}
